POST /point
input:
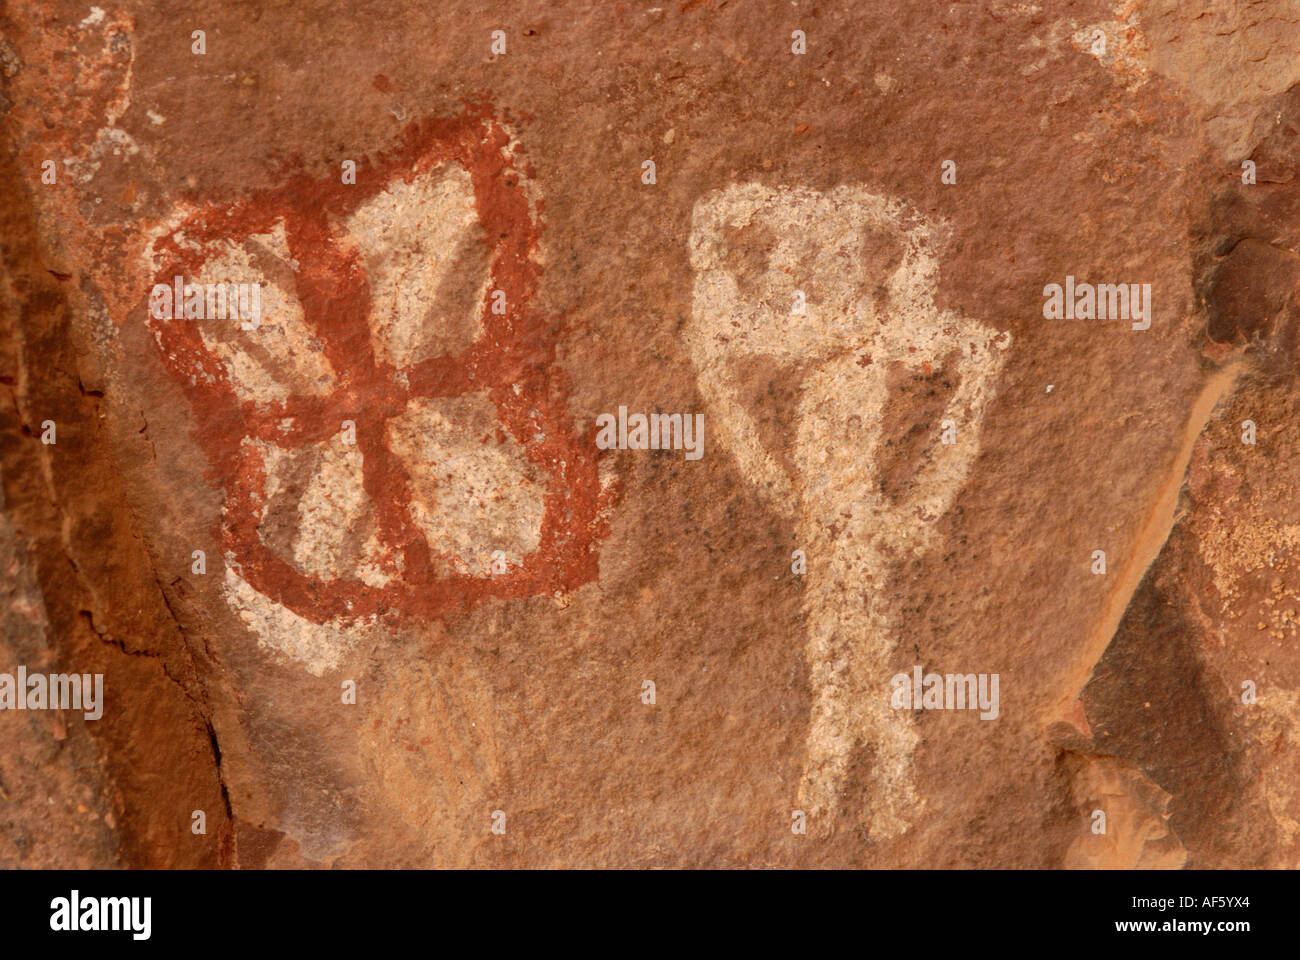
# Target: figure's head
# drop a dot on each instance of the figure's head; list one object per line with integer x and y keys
{"x": 858, "y": 265}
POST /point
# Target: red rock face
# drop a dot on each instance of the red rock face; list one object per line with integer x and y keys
{"x": 363, "y": 586}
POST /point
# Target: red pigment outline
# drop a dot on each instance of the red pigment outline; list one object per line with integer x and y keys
{"x": 331, "y": 283}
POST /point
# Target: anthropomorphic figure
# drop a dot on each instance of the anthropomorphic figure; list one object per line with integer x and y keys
{"x": 838, "y": 285}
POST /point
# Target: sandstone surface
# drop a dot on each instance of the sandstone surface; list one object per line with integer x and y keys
{"x": 366, "y": 590}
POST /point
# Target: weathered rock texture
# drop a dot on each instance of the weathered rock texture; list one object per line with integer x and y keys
{"x": 463, "y": 261}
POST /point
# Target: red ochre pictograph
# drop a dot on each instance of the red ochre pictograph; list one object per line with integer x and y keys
{"x": 512, "y": 361}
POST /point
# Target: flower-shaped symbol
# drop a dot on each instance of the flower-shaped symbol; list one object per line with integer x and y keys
{"x": 403, "y": 303}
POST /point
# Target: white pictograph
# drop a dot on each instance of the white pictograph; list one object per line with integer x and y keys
{"x": 866, "y": 272}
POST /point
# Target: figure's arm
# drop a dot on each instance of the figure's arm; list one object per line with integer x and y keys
{"x": 737, "y": 432}
{"x": 714, "y": 354}
{"x": 944, "y": 468}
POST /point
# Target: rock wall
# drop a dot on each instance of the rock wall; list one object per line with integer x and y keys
{"x": 366, "y": 524}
